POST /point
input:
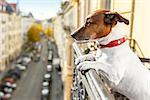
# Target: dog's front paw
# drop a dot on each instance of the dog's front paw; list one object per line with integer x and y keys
{"x": 97, "y": 66}
{"x": 87, "y": 65}
{"x": 88, "y": 57}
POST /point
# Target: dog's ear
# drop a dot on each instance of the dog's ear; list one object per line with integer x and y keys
{"x": 112, "y": 18}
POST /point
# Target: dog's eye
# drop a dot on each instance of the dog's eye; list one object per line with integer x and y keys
{"x": 88, "y": 23}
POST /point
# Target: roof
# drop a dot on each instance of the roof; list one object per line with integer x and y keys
{"x": 14, "y": 5}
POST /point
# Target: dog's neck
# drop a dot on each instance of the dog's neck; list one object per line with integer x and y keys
{"x": 117, "y": 32}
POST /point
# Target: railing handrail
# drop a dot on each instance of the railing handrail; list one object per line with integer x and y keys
{"x": 135, "y": 43}
{"x": 92, "y": 82}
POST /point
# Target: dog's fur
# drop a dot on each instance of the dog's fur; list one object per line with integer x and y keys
{"x": 120, "y": 65}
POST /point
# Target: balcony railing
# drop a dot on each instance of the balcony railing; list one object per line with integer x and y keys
{"x": 88, "y": 85}
{"x": 137, "y": 49}
{"x": 92, "y": 86}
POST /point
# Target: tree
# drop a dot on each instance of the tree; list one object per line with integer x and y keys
{"x": 48, "y": 32}
{"x": 34, "y": 32}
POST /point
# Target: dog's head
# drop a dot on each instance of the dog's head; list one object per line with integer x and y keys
{"x": 98, "y": 25}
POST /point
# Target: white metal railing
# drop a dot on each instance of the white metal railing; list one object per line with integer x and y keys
{"x": 88, "y": 85}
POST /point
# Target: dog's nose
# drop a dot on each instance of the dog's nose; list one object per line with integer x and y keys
{"x": 73, "y": 34}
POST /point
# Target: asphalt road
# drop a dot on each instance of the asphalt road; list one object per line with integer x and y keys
{"x": 29, "y": 87}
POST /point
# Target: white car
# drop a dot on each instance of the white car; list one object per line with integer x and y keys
{"x": 50, "y": 56}
{"x": 21, "y": 67}
{"x": 45, "y": 91}
{"x": 26, "y": 60}
{"x": 49, "y": 68}
{"x": 1, "y": 94}
{"x": 8, "y": 90}
{"x": 12, "y": 85}
{"x": 45, "y": 84}
{"x": 47, "y": 76}
{"x": 56, "y": 61}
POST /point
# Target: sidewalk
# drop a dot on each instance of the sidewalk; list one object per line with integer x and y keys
{"x": 2, "y": 73}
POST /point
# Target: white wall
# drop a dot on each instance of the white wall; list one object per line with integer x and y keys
{"x": 26, "y": 23}
{"x": 141, "y": 30}
{"x": 141, "y": 20}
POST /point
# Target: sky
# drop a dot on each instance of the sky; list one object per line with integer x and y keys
{"x": 41, "y": 9}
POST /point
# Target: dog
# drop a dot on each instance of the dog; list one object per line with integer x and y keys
{"x": 123, "y": 69}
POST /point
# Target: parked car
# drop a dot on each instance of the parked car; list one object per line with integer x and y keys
{"x": 45, "y": 90}
{"x": 19, "y": 60}
{"x": 12, "y": 85}
{"x": 28, "y": 55}
{"x": 1, "y": 94}
{"x": 9, "y": 79}
{"x": 47, "y": 77}
{"x": 39, "y": 48}
{"x": 4, "y": 96}
{"x": 6, "y": 88}
{"x": 12, "y": 75}
{"x": 45, "y": 84}
{"x": 45, "y": 94}
{"x": 21, "y": 67}
{"x": 50, "y": 55}
{"x": 37, "y": 58}
{"x": 49, "y": 68}
{"x": 26, "y": 60}
{"x": 49, "y": 45}
{"x": 56, "y": 61}
{"x": 16, "y": 72}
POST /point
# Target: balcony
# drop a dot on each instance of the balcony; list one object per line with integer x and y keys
{"x": 91, "y": 85}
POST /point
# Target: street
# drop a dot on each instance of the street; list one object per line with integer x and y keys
{"x": 29, "y": 87}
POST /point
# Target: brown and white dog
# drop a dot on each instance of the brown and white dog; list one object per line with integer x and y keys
{"x": 123, "y": 69}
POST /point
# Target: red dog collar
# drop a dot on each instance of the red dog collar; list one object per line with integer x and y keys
{"x": 113, "y": 43}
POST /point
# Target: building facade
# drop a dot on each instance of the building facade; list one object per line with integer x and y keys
{"x": 10, "y": 36}
{"x": 11, "y": 41}
{"x": 74, "y": 14}
{"x": 26, "y": 23}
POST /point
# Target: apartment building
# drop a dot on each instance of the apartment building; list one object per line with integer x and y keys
{"x": 2, "y": 45}
{"x": 26, "y": 21}
{"x": 14, "y": 36}
{"x": 10, "y": 35}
